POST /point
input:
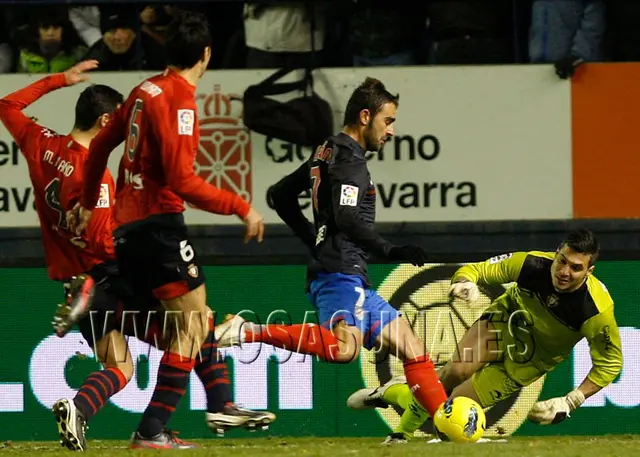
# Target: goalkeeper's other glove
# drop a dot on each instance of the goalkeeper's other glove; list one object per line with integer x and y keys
{"x": 555, "y": 410}
{"x": 412, "y": 254}
{"x": 465, "y": 290}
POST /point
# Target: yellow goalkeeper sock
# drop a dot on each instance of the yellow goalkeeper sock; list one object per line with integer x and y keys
{"x": 414, "y": 414}
{"x": 398, "y": 395}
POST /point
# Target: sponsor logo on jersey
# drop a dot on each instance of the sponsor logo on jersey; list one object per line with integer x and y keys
{"x": 103, "y": 201}
{"x": 348, "y": 195}
{"x": 186, "y": 121}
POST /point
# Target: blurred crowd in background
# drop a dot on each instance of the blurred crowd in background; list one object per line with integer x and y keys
{"x": 328, "y": 33}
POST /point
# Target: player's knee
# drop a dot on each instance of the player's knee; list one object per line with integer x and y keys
{"x": 126, "y": 368}
{"x": 455, "y": 373}
{"x": 124, "y": 363}
{"x": 347, "y": 352}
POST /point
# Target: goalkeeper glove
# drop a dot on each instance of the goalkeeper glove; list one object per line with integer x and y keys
{"x": 557, "y": 409}
{"x": 465, "y": 290}
{"x": 412, "y": 254}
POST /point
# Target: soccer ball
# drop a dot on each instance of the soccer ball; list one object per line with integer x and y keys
{"x": 460, "y": 420}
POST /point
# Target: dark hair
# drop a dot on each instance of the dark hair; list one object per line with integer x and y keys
{"x": 187, "y": 37}
{"x": 583, "y": 241}
{"x": 93, "y": 102}
{"x": 370, "y": 95}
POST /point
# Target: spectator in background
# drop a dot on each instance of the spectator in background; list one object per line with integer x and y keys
{"x": 18, "y": 24}
{"x": 121, "y": 48}
{"x": 53, "y": 45}
{"x": 470, "y": 32}
{"x": 386, "y": 34}
{"x": 86, "y": 21}
{"x": 567, "y": 33}
{"x": 279, "y": 35}
{"x": 155, "y": 19}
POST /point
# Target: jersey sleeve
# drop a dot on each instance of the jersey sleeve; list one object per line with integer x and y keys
{"x": 98, "y": 236}
{"x": 283, "y": 197}
{"x": 174, "y": 125}
{"x": 349, "y": 181}
{"x": 602, "y": 333}
{"x": 99, "y": 233}
{"x": 24, "y": 130}
{"x": 100, "y": 148}
{"x": 497, "y": 270}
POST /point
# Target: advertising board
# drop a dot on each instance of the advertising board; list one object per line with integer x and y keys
{"x": 470, "y": 144}
{"x": 308, "y": 396}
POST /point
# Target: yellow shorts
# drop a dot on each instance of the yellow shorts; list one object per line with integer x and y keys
{"x": 514, "y": 369}
{"x": 492, "y": 384}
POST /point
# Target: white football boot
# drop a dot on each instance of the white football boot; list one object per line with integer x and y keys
{"x": 71, "y": 425}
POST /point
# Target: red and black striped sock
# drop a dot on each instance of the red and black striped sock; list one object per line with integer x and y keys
{"x": 97, "y": 389}
{"x": 212, "y": 371}
{"x": 173, "y": 379}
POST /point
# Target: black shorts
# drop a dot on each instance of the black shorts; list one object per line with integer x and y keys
{"x": 156, "y": 256}
{"x": 116, "y": 306}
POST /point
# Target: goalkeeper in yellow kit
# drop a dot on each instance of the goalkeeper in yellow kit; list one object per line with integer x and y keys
{"x": 553, "y": 303}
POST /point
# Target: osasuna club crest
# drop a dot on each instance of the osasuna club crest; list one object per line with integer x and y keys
{"x": 552, "y": 300}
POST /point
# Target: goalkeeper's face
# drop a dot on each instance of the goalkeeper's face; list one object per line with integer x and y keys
{"x": 570, "y": 269}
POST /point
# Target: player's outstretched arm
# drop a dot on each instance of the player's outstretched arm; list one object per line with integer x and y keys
{"x": 605, "y": 347}
{"x": 283, "y": 198}
{"x": 24, "y": 130}
{"x": 501, "y": 269}
{"x": 603, "y": 335}
{"x": 175, "y": 129}
{"x": 349, "y": 183}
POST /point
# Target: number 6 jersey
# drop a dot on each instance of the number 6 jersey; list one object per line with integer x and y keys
{"x": 56, "y": 171}
{"x": 159, "y": 125}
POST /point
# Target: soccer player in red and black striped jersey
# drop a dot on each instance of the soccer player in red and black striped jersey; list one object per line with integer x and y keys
{"x": 55, "y": 167}
{"x": 158, "y": 123}
{"x": 56, "y": 170}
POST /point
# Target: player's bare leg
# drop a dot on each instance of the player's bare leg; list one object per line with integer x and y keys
{"x": 72, "y": 415}
{"x": 466, "y": 390}
{"x": 477, "y": 347}
{"x": 341, "y": 344}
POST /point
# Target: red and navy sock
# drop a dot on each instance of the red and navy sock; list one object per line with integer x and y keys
{"x": 303, "y": 338}
{"x": 212, "y": 371}
{"x": 173, "y": 379}
{"x": 97, "y": 389}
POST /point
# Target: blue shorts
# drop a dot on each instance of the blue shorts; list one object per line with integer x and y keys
{"x": 338, "y": 297}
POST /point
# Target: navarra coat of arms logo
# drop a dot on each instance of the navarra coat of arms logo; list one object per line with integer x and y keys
{"x": 224, "y": 154}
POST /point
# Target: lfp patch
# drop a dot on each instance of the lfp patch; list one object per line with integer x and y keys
{"x": 186, "y": 120}
{"x": 348, "y": 195}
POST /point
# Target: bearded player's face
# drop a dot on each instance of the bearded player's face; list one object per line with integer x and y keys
{"x": 570, "y": 269}
{"x": 381, "y": 127}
